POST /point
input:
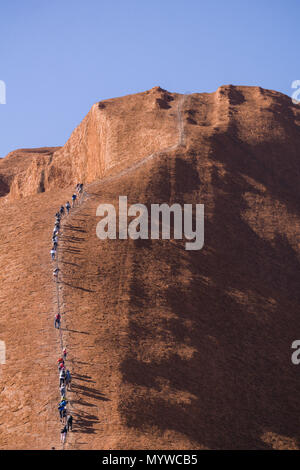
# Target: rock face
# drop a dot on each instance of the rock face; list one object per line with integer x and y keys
{"x": 22, "y": 172}
{"x": 168, "y": 348}
{"x": 114, "y": 134}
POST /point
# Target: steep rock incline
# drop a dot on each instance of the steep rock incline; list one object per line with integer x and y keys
{"x": 28, "y": 381}
{"x": 168, "y": 348}
{"x": 192, "y": 349}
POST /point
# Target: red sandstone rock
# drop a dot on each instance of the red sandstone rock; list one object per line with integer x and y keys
{"x": 168, "y": 348}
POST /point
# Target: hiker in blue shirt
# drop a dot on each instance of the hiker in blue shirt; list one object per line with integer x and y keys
{"x": 74, "y": 199}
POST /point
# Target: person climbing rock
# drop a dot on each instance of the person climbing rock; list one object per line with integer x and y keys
{"x": 64, "y": 415}
{"x": 55, "y": 272}
{"x": 63, "y": 434}
{"x": 65, "y": 353}
{"x": 74, "y": 199}
{"x": 68, "y": 379}
{"x": 62, "y": 377}
{"x": 57, "y": 320}
{"x": 63, "y": 403}
{"x": 55, "y": 240}
{"x": 61, "y": 408}
{"x": 60, "y": 362}
{"x": 68, "y": 207}
{"x": 62, "y": 390}
{"x": 62, "y": 210}
{"x": 69, "y": 422}
{"x": 53, "y": 253}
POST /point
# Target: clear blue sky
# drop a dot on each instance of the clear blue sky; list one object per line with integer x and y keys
{"x": 59, "y": 57}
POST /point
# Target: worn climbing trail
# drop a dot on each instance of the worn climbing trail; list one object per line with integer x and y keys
{"x": 59, "y": 299}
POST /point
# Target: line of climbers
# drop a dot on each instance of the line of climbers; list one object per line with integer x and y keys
{"x": 65, "y": 378}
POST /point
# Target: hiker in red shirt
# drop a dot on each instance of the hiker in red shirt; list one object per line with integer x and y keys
{"x": 57, "y": 321}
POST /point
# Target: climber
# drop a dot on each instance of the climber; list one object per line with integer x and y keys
{"x": 62, "y": 390}
{"x": 68, "y": 380}
{"x": 61, "y": 366}
{"x": 53, "y": 253}
{"x": 55, "y": 246}
{"x": 61, "y": 406}
{"x": 63, "y": 434}
{"x": 74, "y": 199}
{"x": 62, "y": 377}
{"x": 65, "y": 353}
{"x": 55, "y": 272}
{"x": 61, "y": 409}
{"x": 57, "y": 320}
{"x": 60, "y": 362}
{"x": 69, "y": 422}
{"x": 55, "y": 232}
{"x": 62, "y": 210}
{"x": 80, "y": 188}
{"x": 68, "y": 206}
{"x": 63, "y": 403}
